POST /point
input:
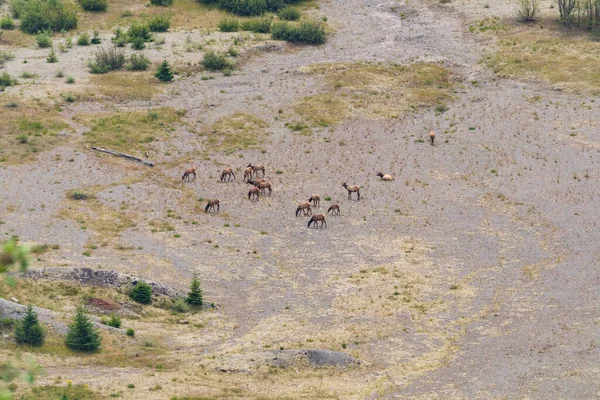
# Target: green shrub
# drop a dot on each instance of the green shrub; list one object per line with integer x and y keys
{"x": 138, "y": 29}
{"x": 82, "y": 335}
{"x": 138, "y": 62}
{"x": 70, "y": 80}
{"x": 245, "y": 7}
{"x": 214, "y": 61}
{"x": 22, "y": 138}
{"x": 308, "y": 32}
{"x": 120, "y": 38}
{"x": 257, "y": 25}
{"x": 194, "y": 297}
{"x": 6, "y": 22}
{"x": 106, "y": 60}
{"x": 130, "y": 332}
{"x": 94, "y": 5}
{"x": 43, "y": 39}
{"x": 164, "y": 3}
{"x": 4, "y": 57}
{"x": 114, "y": 321}
{"x": 228, "y": 24}
{"x": 142, "y": 293}
{"x": 233, "y": 51}
{"x": 96, "y": 38}
{"x": 138, "y": 44}
{"x": 180, "y": 306}
{"x": 159, "y": 23}
{"x": 28, "y": 330}
{"x": 52, "y": 57}
{"x": 164, "y": 73}
{"x": 289, "y": 14}
{"x": 6, "y": 80}
{"x": 39, "y": 15}
{"x": 70, "y": 98}
{"x": 79, "y": 195}
{"x": 83, "y": 39}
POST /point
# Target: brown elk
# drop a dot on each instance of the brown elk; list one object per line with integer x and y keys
{"x": 263, "y": 185}
{"x": 189, "y": 172}
{"x": 352, "y": 189}
{"x": 211, "y": 205}
{"x": 227, "y": 172}
{"x": 317, "y": 218}
{"x": 385, "y": 177}
{"x": 432, "y": 138}
{"x": 304, "y": 206}
{"x": 334, "y": 209}
{"x": 315, "y": 199}
{"x": 253, "y": 193}
{"x": 247, "y": 174}
{"x": 256, "y": 168}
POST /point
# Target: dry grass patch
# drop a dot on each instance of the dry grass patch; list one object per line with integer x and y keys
{"x": 238, "y": 131}
{"x": 124, "y": 86}
{"x": 374, "y": 91}
{"x": 16, "y": 38}
{"x": 126, "y": 131}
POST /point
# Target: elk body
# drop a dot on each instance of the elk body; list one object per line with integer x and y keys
{"x": 189, "y": 172}
{"x": 263, "y": 185}
{"x": 334, "y": 209}
{"x": 432, "y": 138}
{"x": 316, "y": 219}
{"x": 385, "y": 177}
{"x": 256, "y": 168}
{"x": 315, "y": 199}
{"x": 352, "y": 189}
{"x": 253, "y": 193}
{"x": 304, "y": 206}
{"x": 211, "y": 205}
{"x": 227, "y": 173}
{"x": 247, "y": 174}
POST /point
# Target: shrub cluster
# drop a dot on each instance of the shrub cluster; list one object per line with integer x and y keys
{"x": 309, "y": 32}
{"x": 6, "y": 22}
{"x": 214, "y": 61}
{"x": 250, "y": 7}
{"x": 289, "y": 14}
{"x": 94, "y": 5}
{"x": 6, "y": 80}
{"x": 138, "y": 62}
{"x": 159, "y": 23}
{"x": 43, "y": 39}
{"x": 257, "y": 25}
{"x": 164, "y": 3}
{"x": 106, "y": 60}
{"x": 39, "y": 15}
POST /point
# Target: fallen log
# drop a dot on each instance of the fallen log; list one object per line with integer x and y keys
{"x": 119, "y": 154}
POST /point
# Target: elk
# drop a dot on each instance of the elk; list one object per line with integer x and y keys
{"x": 247, "y": 173}
{"x": 432, "y": 138}
{"x": 256, "y": 168}
{"x": 263, "y": 185}
{"x": 317, "y": 218}
{"x": 315, "y": 199}
{"x": 253, "y": 193}
{"x": 385, "y": 177}
{"x": 189, "y": 172}
{"x": 351, "y": 189}
{"x": 334, "y": 209}
{"x": 227, "y": 172}
{"x": 211, "y": 205}
{"x": 304, "y": 206}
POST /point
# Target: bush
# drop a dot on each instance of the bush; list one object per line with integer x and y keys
{"x": 245, "y": 7}
{"x": 138, "y": 62}
{"x": 83, "y": 39}
{"x": 180, "y": 306}
{"x": 28, "y": 330}
{"x": 308, "y": 32}
{"x": 164, "y": 3}
{"x": 138, "y": 30}
{"x": 114, "y": 321}
{"x": 6, "y": 80}
{"x": 214, "y": 61}
{"x": 289, "y": 14}
{"x": 527, "y": 10}
{"x": 94, "y": 5}
{"x": 159, "y": 23}
{"x": 130, "y": 332}
{"x": 39, "y": 15}
{"x": 82, "y": 335}
{"x": 6, "y": 22}
{"x": 257, "y": 25}
{"x": 106, "y": 60}
{"x": 96, "y": 38}
{"x": 164, "y": 73}
{"x": 228, "y": 24}
{"x": 43, "y": 39}
{"x": 142, "y": 293}
{"x": 79, "y": 195}
{"x": 4, "y": 57}
{"x": 138, "y": 44}
{"x": 194, "y": 297}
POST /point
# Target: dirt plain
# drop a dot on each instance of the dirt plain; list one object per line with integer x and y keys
{"x": 473, "y": 275}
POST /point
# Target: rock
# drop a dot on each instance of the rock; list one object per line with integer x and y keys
{"x": 313, "y": 358}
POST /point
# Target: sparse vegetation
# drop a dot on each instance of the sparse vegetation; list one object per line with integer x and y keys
{"x": 6, "y": 80}
{"x": 5, "y": 56}
{"x": 83, "y": 39}
{"x": 306, "y": 32}
{"x": 159, "y": 23}
{"x": 527, "y": 10}
{"x": 289, "y": 13}
{"x": 229, "y": 24}
{"x": 43, "y": 39}
{"x": 114, "y": 321}
{"x": 138, "y": 62}
{"x": 6, "y": 22}
{"x": 214, "y": 61}
{"x": 164, "y": 3}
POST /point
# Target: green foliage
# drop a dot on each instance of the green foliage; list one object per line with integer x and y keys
{"x": 114, "y": 321}
{"x": 28, "y": 330}
{"x": 164, "y": 3}
{"x": 159, "y": 23}
{"x": 228, "y": 24}
{"x": 106, "y": 60}
{"x": 289, "y": 14}
{"x": 130, "y": 332}
{"x": 22, "y": 138}
{"x": 6, "y": 22}
{"x": 82, "y": 335}
{"x": 142, "y": 293}
{"x": 6, "y": 80}
{"x": 244, "y": 7}
{"x": 52, "y": 57}
{"x": 138, "y": 62}
{"x": 4, "y": 57}
{"x": 194, "y": 297}
{"x": 308, "y": 32}
{"x": 138, "y": 29}
{"x": 180, "y": 306}
{"x": 13, "y": 253}
{"x": 83, "y": 39}
{"x": 138, "y": 44}
{"x": 164, "y": 73}
{"x": 96, "y": 38}
{"x": 43, "y": 39}
{"x": 120, "y": 38}
{"x": 69, "y": 392}
{"x": 257, "y": 25}
{"x": 94, "y": 5}
{"x": 214, "y": 61}
{"x": 39, "y": 15}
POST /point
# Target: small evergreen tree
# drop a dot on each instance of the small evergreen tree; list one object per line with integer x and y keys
{"x": 83, "y": 336}
{"x": 164, "y": 72}
{"x": 28, "y": 330}
{"x": 52, "y": 57}
{"x": 142, "y": 293}
{"x": 194, "y": 297}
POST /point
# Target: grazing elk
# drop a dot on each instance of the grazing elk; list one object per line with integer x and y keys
{"x": 189, "y": 172}
{"x": 304, "y": 206}
{"x": 253, "y": 193}
{"x": 352, "y": 189}
{"x": 256, "y": 168}
{"x": 315, "y": 199}
{"x": 211, "y": 205}
{"x": 334, "y": 209}
{"x": 317, "y": 218}
{"x": 385, "y": 177}
{"x": 263, "y": 185}
{"x": 432, "y": 138}
{"x": 227, "y": 172}
{"x": 247, "y": 174}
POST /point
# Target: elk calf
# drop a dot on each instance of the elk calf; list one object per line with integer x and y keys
{"x": 189, "y": 172}
{"x": 304, "y": 206}
{"x": 334, "y": 209}
{"x": 317, "y": 218}
{"x": 227, "y": 172}
{"x": 211, "y": 205}
{"x": 253, "y": 193}
{"x": 315, "y": 199}
{"x": 432, "y": 138}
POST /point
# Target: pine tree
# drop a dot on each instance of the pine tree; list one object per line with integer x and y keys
{"x": 164, "y": 72}
{"x": 28, "y": 330}
{"x": 142, "y": 293}
{"x": 52, "y": 57}
{"x": 83, "y": 336}
{"x": 194, "y": 297}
